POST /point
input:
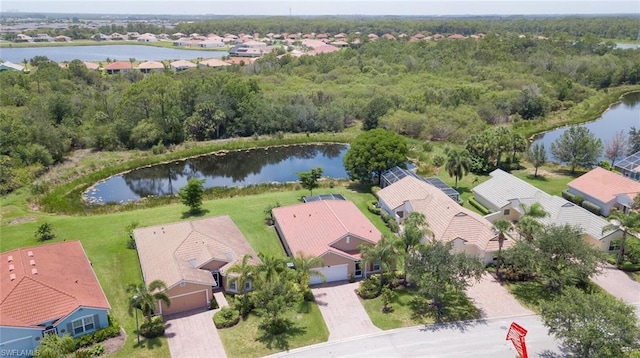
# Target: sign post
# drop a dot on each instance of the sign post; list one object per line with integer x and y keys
{"x": 516, "y": 335}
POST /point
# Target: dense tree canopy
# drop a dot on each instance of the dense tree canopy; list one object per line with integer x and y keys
{"x": 373, "y": 152}
{"x": 577, "y": 146}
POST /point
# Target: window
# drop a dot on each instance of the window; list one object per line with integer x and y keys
{"x": 614, "y": 245}
{"x": 247, "y": 285}
{"x": 376, "y": 266}
{"x": 82, "y": 325}
{"x": 233, "y": 286}
{"x": 347, "y": 239}
{"x": 506, "y": 212}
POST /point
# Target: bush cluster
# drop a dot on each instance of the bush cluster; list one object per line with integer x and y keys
{"x": 226, "y": 317}
{"x": 100, "y": 335}
{"x": 591, "y": 207}
{"x": 576, "y": 199}
{"x": 94, "y": 351}
{"x": 478, "y": 206}
{"x": 373, "y": 208}
{"x": 390, "y": 222}
{"x": 368, "y": 288}
{"x": 153, "y": 328}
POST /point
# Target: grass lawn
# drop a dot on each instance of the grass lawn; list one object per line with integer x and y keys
{"x": 247, "y": 340}
{"x": 411, "y": 309}
{"x": 552, "y": 178}
{"x": 104, "y": 239}
{"x": 532, "y": 293}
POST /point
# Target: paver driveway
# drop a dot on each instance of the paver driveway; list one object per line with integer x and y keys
{"x": 493, "y": 300}
{"x": 618, "y": 284}
{"x": 342, "y": 311}
{"x": 193, "y": 335}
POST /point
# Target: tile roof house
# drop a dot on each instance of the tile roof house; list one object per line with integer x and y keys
{"x": 118, "y": 67}
{"x": 45, "y": 289}
{"x": 606, "y": 189}
{"x": 330, "y": 229}
{"x": 448, "y": 220}
{"x": 150, "y": 66}
{"x": 192, "y": 258}
{"x": 503, "y": 195}
{"x": 182, "y": 65}
{"x": 214, "y": 62}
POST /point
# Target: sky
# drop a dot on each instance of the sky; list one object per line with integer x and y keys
{"x": 328, "y": 7}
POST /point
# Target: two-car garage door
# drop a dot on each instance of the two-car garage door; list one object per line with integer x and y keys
{"x": 331, "y": 273}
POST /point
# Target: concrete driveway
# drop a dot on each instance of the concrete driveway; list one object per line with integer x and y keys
{"x": 342, "y": 311}
{"x": 193, "y": 335}
{"x": 493, "y": 300}
{"x": 617, "y": 283}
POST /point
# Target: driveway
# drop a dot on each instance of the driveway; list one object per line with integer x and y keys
{"x": 193, "y": 335}
{"x": 493, "y": 300}
{"x": 617, "y": 283}
{"x": 342, "y": 311}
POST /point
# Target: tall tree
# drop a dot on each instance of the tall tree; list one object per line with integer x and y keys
{"x": 415, "y": 229}
{"x": 458, "y": 164}
{"x": 274, "y": 297}
{"x": 376, "y": 108}
{"x": 146, "y": 298}
{"x": 434, "y": 268}
{"x": 501, "y": 226}
{"x": 528, "y": 225}
{"x": 537, "y": 155}
{"x": 241, "y": 272}
{"x": 627, "y": 223}
{"x": 383, "y": 253}
{"x": 616, "y": 147}
{"x": 518, "y": 145}
{"x": 306, "y": 266}
{"x": 592, "y": 325}
{"x": 309, "y": 180}
{"x": 191, "y": 194}
{"x": 577, "y": 146}
{"x": 373, "y": 152}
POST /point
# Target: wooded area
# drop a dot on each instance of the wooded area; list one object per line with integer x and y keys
{"x": 442, "y": 91}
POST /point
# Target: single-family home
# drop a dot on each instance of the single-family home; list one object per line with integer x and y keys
{"x": 448, "y": 220}
{"x": 101, "y": 37}
{"x": 332, "y": 230}
{"x": 212, "y": 42}
{"x": 192, "y": 258}
{"x": 605, "y": 189}
{"x": 91, "y": 66}
{"x": 62, "y": 38}
{"x": 147, "y": 38}
{"x": 23, "y": 38}
{"x": 150, "y": 66}
{"x": 182, "y": 65}
{"x": 214, "y": 62}
{"x": 630, "y": 166}
{"x": 48, "y": 289}
{"x": 503, "y": 194}
{"x": 322, "y": 50}
{"x": 118, "y": 67}
{"x": 10, "y": 66}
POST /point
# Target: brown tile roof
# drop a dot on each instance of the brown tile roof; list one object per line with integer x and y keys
{"x": 118, "y": 65}
{"x": 605, "y": 185}
{"x": 151, "y": 65}
{"x": 323, "y": 49}
{"x": 214, "y": 62}
{"x": 91, "y": 65}
{"x": 175, "y": 252}
{"x": 182, "y": 64}
{"x": 240, "y": 60}
{"x": 45, "y": 283}
{"x": 311, "y": 228}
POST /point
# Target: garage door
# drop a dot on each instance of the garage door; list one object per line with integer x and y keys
{"x": 186, "y": 302}
{"x": 17, "y": 347}
{"x": 331, "y": 273}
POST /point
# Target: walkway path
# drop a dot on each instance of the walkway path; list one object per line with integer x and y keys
{"x": 342, "y": 311}
{"x": 494, "y": 300}
{"x": 619, "y": 284}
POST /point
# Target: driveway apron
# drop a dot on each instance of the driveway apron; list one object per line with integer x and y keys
{"x": 493, "y": 300}
{"x": 193, "y": 335}
{"x": 618, "y": 284}
{"x": 342, "y": 311}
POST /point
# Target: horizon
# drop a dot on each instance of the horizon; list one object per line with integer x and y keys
{"x": 327, "y": 8}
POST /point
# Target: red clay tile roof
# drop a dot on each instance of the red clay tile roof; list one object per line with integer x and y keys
{"x": 48, "y": 285}
{"x": 118, "y": 65}
{"x": 310, "y": 228}
{"x": 605, "y": 185}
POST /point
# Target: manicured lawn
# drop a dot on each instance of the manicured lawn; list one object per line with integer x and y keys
{"x": 411, "y": 309}
{"x": 104, "y": 239}
{"x": 247, "y": 340}
{"x": 532, "y": 293}
{"x": 552, "y": 179}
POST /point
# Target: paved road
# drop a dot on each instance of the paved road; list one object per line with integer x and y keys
{"x": 464, "y": 339}
{"x": 493, "y": 300}
{"x": 342, "y": 311}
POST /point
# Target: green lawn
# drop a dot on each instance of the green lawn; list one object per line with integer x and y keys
{"x": 247, "y": 340}
{"x": 104, "y": 239}
{"x": 532, "y": 293}
{"x": 411, "y": 309}
{"x": 552, "y": 178}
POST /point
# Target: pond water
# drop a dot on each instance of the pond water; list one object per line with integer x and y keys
{"x": 627, "y": 46}
{"x": 620, "y": 117}
{"x": 101, "y": 53}
{"x": 230, "y": 169}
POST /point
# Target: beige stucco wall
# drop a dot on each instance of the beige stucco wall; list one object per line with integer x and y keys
{"x": 352, "y": 244}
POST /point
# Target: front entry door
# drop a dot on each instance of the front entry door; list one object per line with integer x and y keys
{"x": 358, "y": 269}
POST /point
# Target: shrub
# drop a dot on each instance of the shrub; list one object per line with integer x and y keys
{"x": 567, "y": 195}
{"x": 94, "y": 351}
{"x": 153, "y": 328}
{"x": 427, "y": 146}
{"x": 438, "y": 160}
{"x": 226, "y": 317}
{"x": 591, "y": 207}
{"x": 478, "y": 206}
{"x": 307, "y": 295}
{"x": 213, "y": 304}
{"x": 368, "y": 288}
{"x": 45, "y": 232}
{"x": 158, "y": 148}
{"x": 352, "y": 278}
{"x": 375, "y": 189}
{"x": 578, "y": 199}
{"x": 390, "y": 222}
{"x": 100, "y": 335}
{"x": 373, "y": 208}
{"x": 629, "y": 267}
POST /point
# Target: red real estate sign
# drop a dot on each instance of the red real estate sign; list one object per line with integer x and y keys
{"x": 516, "y": 335}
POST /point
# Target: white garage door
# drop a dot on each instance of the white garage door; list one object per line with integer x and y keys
{"x": 331, "y": 273}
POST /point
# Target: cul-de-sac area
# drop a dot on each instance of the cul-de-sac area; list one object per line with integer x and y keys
{"x": 459, "y": 187}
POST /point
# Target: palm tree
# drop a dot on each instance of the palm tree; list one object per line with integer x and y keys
{"x": 501, "y": 226}
{"x": 383, "y": 253}
{"x": 626, "y": 223}
{"x": 518, "y": 144}
{"x": 528, "y": 225}
{"x": 458, "y": 164}
{"x": 146, "y": 298}
{"x": 306, "y": 267}
{"x": 416, "y": 227}
{"x": 242, "y": 272}
{"x": 271, "y": 266}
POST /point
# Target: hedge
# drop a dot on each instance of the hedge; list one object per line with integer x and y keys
{"x": 591, "y": 207}
{"x": 478, "y": 206}
{"x": 100, "y": 335}
{"x": 371, "y": 206}
{"x": 226, "y": 317}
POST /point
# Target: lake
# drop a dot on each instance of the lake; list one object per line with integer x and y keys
{"x": 627, "y": 46}
{"x": 222, "y": 169}
{"x": 101, "y": 53}
{"x": 620, "y": 117}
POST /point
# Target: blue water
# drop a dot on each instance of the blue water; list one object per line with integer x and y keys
{"x": 233, "y": 169}
{"x": 620, "y": 117}
{"x": 101, "y": 53}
